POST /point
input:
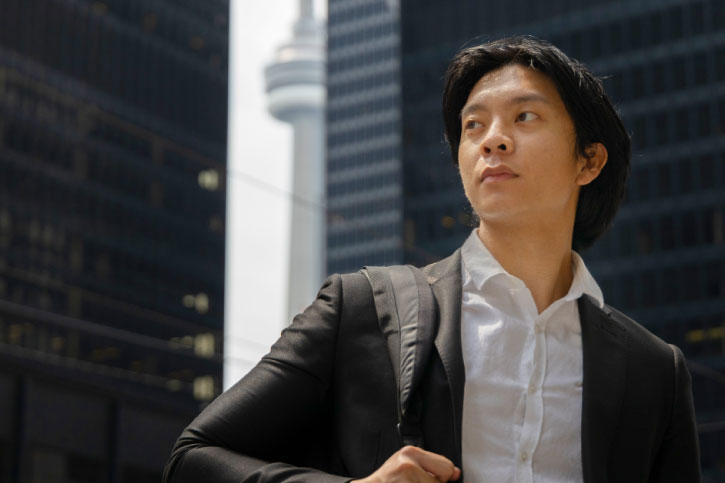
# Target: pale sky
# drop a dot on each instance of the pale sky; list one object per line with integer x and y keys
{"x": 259, "y": 170}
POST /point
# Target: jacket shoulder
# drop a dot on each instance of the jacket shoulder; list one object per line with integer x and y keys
{"x": 446, "y": 267}
{"x": 640, "y": 340}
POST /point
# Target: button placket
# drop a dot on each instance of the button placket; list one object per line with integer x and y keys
{"x": 533, "y": 417}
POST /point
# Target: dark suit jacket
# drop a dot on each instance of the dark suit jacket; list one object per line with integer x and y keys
{"x": 323, "y": 401}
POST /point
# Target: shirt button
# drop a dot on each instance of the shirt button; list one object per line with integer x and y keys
{"x": 532, "y": 388}
{"x": 538, "y": 329}
{"x": 524, "y": 456}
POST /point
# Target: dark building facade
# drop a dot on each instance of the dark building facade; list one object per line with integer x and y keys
{"x": 663, "y": 260}
{"x": 112, "y": 213}
{"x": 364, "y": 185}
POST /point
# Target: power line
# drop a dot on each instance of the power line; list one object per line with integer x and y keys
{"x": 252, "y": 180}
{"x": 330, "y": 214}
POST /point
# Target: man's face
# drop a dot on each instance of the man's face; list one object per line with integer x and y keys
{"x": 517, "y": 155}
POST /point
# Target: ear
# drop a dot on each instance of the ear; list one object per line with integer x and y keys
{"x": 592, "y": 164}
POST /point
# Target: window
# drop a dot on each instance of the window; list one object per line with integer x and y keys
{"x": 690, "y": 222}
{"x": 685, "y": 176}
{"x": 667, "y": 232}
{"x": 674, "y": 21}
{"x": 707, "y": 171}
{"x": 659, "y": 77}
{"x": 635, "y": 30}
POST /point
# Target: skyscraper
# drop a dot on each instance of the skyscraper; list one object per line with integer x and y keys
{"x": 112, "y": 209}
{"x": 364, "y": 195}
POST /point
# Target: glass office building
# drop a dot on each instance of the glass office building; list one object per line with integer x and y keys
{"x": 112, "y": 211}
{"x": 663, "y": 260}
{"x": 364, "y": 193}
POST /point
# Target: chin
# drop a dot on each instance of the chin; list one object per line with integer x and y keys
{"x": 496, "y": 209}
{"x": 494, "y": 216}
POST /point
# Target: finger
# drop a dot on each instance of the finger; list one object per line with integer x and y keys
{"x": 439, "y": 466}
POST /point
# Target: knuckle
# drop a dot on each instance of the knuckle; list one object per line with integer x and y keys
{"x": 409, "y": 450}
{"x": 406, "y": 466}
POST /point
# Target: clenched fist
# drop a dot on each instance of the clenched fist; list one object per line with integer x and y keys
{"x": 414, "y": 465}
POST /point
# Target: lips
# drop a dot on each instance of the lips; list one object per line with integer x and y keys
{"x": 497, "y": 174}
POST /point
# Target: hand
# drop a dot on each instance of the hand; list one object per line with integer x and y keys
{"x": 414, "y": 465}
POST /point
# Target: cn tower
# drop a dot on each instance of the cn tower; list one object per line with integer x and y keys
{"x": 296, "y": 94}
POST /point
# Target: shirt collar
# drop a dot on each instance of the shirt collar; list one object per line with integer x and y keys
{"x": 482, "y": 267}
{"x": 583, "y": 282}
{"x": 478, "y": 261}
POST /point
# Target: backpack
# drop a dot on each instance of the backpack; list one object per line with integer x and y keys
{"x": 407, "y": 316}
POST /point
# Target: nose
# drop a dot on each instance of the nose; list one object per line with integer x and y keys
{"x": 496, "y": 141}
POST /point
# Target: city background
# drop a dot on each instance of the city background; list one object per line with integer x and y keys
{"x": 148, "y": 196}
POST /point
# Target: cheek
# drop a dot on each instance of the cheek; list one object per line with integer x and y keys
{"x": 465, "y": 171}
{"x": 467, "y": 158}
{"x": 558, "y": 166}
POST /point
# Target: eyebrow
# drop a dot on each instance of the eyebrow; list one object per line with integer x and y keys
{"x": 516, "y": 100}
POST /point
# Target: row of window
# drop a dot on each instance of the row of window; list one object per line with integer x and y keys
{"x": 368, "y": 157}
{"x": 91, "y": 205}
{"x": 126, "y": 66}
{"x": 448, "y": 220}
{"x": 115, "y": 162}
{"x": 430, "y": 172}
{"x": 671, "y": 125}
{"x": 140, "y": 276}
{"x": 362, "y": 107}
{"x": 607, "y": 33}
{"x": 362, "y": 183}
{"x": 125, "y": 311}
{"x": 363, "y": 134}
{"x": 140, "y": 360}
{"x": 342, "y": 11}
{"x": 690, "y": 282}
{"x": 362, "y": 83}
{"x": 174, "y": 24}
{"x": 676, "y": 231}
{"x": 75, "y": 431}
{"x": 64, "y": 123}
{"x": 641, "y": 30}
{"x": 677, "y": 176}
{"x": 368, "y": 58}
{"x": 363, "y": 234}
{"x": 672, "y": 74}
{"x": 104, "y": 251}
{"x": 368, "y": 208}
{"x": 353, "y": 36}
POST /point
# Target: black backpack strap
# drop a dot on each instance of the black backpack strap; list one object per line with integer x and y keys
{"x": 407, "y": 316}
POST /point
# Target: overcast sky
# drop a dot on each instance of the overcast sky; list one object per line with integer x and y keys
{"x": 259, "y": 170}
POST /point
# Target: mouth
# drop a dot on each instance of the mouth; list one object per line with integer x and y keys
{"x": 495, "y": 178}
{"x": 496, "y": 175}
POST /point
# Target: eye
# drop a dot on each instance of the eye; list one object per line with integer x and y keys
{"x": 526, "y": 116}
{"x": 471, "y": 124}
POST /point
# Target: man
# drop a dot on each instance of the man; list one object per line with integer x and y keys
{"x": 532, "y": 378}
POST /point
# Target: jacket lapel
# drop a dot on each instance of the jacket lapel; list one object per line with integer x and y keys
{"x": 604, "y": 346}
{"x": 445, "y": 279}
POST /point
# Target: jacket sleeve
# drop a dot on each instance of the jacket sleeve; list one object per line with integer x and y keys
{"x": 679, "y": 456}
{"x": 256, "y": 430}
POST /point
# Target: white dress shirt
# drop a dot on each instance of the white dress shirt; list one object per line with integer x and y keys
{"x": 523, "y": 394}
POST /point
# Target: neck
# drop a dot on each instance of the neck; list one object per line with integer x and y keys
{"x": 540, "y": 257}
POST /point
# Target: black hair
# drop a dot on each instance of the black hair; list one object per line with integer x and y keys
{"x": 593, "y": 115}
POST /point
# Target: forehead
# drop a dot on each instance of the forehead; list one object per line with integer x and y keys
{"x": 517, "y": 81}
